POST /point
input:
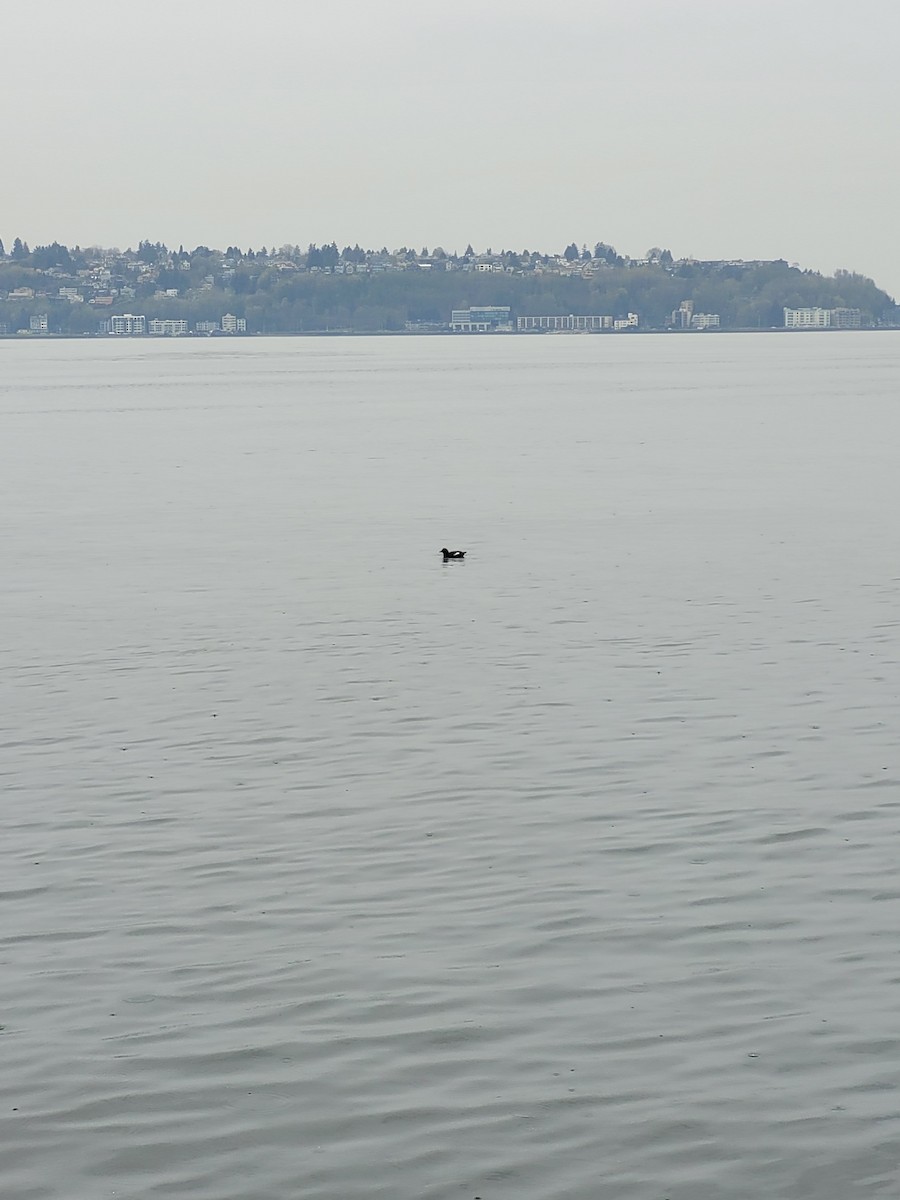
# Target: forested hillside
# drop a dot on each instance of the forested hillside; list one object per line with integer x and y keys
{"x": 326, "y": 289}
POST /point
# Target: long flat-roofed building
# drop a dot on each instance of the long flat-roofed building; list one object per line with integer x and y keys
{"x": 571, "y": 323}
{"x": 807, "y": 318}
{"x": 822, "y": 318}
{"x": 167, "y": 328}
{"x": 486, "y": 319}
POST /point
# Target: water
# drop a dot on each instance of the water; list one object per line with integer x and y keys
{"x": 335, "y": 872}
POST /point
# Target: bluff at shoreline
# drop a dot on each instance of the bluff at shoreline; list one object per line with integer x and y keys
{"x": 57, "y": 290}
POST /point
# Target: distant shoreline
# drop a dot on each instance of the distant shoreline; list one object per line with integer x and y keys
{"x": 327, "y": 292}
{"x": 26, "y": 336}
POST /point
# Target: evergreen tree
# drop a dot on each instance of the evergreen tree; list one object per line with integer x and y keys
{"x": 54, "y": 255}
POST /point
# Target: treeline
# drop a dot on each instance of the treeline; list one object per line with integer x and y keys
{"x": 753, "y": 298}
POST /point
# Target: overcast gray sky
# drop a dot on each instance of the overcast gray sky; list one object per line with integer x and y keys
{"x": 716, "y": 128}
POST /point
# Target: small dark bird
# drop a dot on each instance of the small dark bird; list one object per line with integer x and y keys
{"x": 448, "y": 554}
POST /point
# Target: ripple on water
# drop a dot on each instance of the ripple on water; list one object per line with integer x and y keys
{"x": 566, "y": 875}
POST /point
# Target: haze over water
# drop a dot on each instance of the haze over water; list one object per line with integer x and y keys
{"x": 333, "y": 871}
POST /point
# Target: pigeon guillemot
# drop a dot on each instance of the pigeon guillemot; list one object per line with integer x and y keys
{"x": 448, "y": 554}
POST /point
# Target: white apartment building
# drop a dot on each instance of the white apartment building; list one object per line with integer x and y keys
{"x": 822, "y": 318}
{"x": 629, "y": 322}
{"x": 570, "y": 323}
{"x": 127, "y": 325}
{"x": 807, "y": 318}
{"x": 167, "y": 328}
{"x": 705, "y": 321}
{"x": 232, "y": 324}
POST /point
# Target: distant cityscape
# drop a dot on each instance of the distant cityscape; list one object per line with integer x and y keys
{"x": 154, "y": 291}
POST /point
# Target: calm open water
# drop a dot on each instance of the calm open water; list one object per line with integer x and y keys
{"x": 331, "y": 872}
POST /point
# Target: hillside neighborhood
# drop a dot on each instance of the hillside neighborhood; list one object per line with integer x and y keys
{"x": 155, "y": 291}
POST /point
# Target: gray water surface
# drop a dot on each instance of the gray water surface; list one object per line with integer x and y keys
{"x": 334, "y": 872}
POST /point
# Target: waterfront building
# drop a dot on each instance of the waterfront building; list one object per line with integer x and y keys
{"x": 127, "y": 325}
{"x": 167, "y": 328}
{"x": 846, "y": 318}
{"x": 486, "y": 319}
{"x": 807, "y": 318}
{"x": 682, "y": 315}
{"x": 705, "y": 321}
{"x": 206, "y": 327}
{"x": 38, "y": 323}
{"x": 571, "y": 323}
{"x": 232, "y": 324}
{"x": 629, "y": 322}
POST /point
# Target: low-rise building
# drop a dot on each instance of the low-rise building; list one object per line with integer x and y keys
{"x": 233, "y": 324}
{"x": 167, "y": 328}
{"x": 807, "y": 318}
{"x": 629, "y": 322}
{"x": 481, "y": 319}
{"x": 127, "y": 325}
{"x": 38, "y": 323}
{"x": 571, "y": 323}
{"x": 846, "y": 318}
{"x": 705, "y": 321}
